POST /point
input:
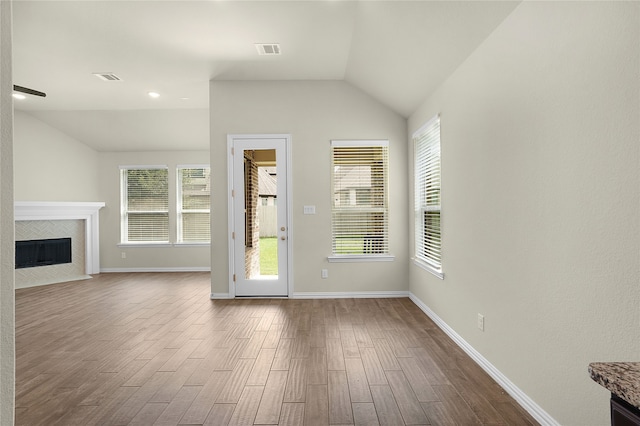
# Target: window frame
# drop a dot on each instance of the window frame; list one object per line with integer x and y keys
{"x": 180, "y": 211}
{"x": 424, "y": 140}
{"x": 369, "y": 257}
{"x": 125, "y": 211}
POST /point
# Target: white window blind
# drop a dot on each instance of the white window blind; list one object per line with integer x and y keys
{"x": 428, "y": 238}
{"x": 194, "y": 201}
{"x": 145, "y": 204}
{"x": 359, "y": 217}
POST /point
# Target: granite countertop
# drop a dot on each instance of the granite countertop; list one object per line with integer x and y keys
{"x": 620, "y": 378}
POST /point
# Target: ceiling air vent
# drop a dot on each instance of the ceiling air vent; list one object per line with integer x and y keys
{"x": 107, "y": 76}
{"x": 268, "y": 49}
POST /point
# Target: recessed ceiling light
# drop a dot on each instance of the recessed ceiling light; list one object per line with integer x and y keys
{"x": 184, "y": 99}
{"x": 19, "y": 96}
{"x": 154, "y": 94}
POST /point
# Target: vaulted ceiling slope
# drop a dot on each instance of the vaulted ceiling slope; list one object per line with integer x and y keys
{"x": 396, "y": 51}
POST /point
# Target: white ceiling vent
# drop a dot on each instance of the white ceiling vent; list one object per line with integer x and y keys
{"x": 268, "y": 48}
{"x": 107, "y": 76}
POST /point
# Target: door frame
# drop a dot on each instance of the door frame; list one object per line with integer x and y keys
{"x": 231, "y": 212}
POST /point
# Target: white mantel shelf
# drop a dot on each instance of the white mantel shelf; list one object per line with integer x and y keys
{"x": 72, "y": 210}
{"x": 52, "y": 210}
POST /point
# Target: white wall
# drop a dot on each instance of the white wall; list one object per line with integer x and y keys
{"x": 541, "y": 222}
{"x": 173, "y": 258}
{"x": 50, "y": 165}
{"x": 7, "y": 259}
{"x": 313, "y": 112}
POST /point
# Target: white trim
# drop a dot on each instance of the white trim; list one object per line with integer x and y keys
{"x": 350, "y": 295}
{"x": 230, "y": 218}
{"x": 290, "y": 233}
{"x": 358, "y": 143}
{"x": 427, "y": 267}
{"x": 144, "y": 167}
{"x": 180, "y": 211}
{"x": 124, "y": 204}
{"x": 162, "y": 244}
{"x": 521, "y": 398}
{"x": 53, "y": 210}
{"x": 220, "y": 296}
{"x": 426, "y": 125}
{"x": 160, "y": 269}
{"x": 192, "y": 244}
{"x": 55, "y": 281}
{"x": 352, "y": 208}
{"x": 426, "y": 143}
{"x": 353, "y": 258}
{"x": 193, "y": 166}
{"x": 230, "y": 213}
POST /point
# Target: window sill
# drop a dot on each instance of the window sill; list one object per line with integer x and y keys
{"x": 427, "y": 267}
{"x": 192, "y": 244}
{"x": 145, "y": 244}
{"x": 352, "y": 258}
{"x": 185, "y": 244}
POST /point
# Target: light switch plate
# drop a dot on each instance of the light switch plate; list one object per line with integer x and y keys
{"x": 309, "y": 209}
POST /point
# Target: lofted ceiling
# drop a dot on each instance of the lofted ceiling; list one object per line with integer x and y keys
{"x": 398, "y": 52}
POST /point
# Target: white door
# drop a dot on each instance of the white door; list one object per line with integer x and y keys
{"x": 260, "y": 224}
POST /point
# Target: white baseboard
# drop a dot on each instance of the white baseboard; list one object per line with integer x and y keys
{"x": 220, "y": 296}
{"x": 163, "y": 269}
{"x": 516, "y": 393}
{"x": 333, "y": 295}
{"x": 53, "y": 281}
{"x": 349, "y": 295}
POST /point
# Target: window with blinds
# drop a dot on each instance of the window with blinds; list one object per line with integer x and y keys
{"x": 145, "y": 204}
{"x": 194, "y": 204}
{"x": 359, "y": 216}
{"x": 428, "y": 237}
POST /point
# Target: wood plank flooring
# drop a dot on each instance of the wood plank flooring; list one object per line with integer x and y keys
{"x": 153, "y": 349}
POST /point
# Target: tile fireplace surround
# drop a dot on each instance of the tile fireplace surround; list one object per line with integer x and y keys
{"x": 49, "y": 217}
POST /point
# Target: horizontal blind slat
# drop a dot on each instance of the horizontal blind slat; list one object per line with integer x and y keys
{"x": 195, "y": 204}
{"x": 427, "y": 193}
{"x": 146, "y": 204}
{"x": 360, "y": 207}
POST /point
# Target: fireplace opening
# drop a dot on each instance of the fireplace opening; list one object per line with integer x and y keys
{"x": 34, "y": 253}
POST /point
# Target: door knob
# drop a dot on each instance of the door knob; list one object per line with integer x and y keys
{"x": 283, "y": 238}
{"x": 282, "y": 228}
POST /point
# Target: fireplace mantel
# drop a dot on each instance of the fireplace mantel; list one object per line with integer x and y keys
{"x": 87, "y": 211}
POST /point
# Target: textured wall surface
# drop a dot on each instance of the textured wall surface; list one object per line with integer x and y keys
{"x": 540, "y": 131}
{"x": 45, "y": 229}
{"x": 313, "y": 113}
{"x": 7, "y": 297}
{"x": 178, "y": 257}
{"x": 50, "y": 165}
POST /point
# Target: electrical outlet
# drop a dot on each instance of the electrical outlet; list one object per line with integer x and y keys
{"x": 324, "y": 273}
{"x": 481, "y": 322}
{"x": 123, "y": 254}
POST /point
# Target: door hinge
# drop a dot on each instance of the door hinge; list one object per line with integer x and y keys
{"x": 234, "y": 278}
{"x": 233, "y": 151}
{"x": 233, "y": 235}
{"x": 233, "y": 193}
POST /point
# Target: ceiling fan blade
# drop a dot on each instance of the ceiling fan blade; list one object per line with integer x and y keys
{"x": 28, "y": 91}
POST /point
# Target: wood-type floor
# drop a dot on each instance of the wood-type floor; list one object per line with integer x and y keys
{"x": 153, "y": 349}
